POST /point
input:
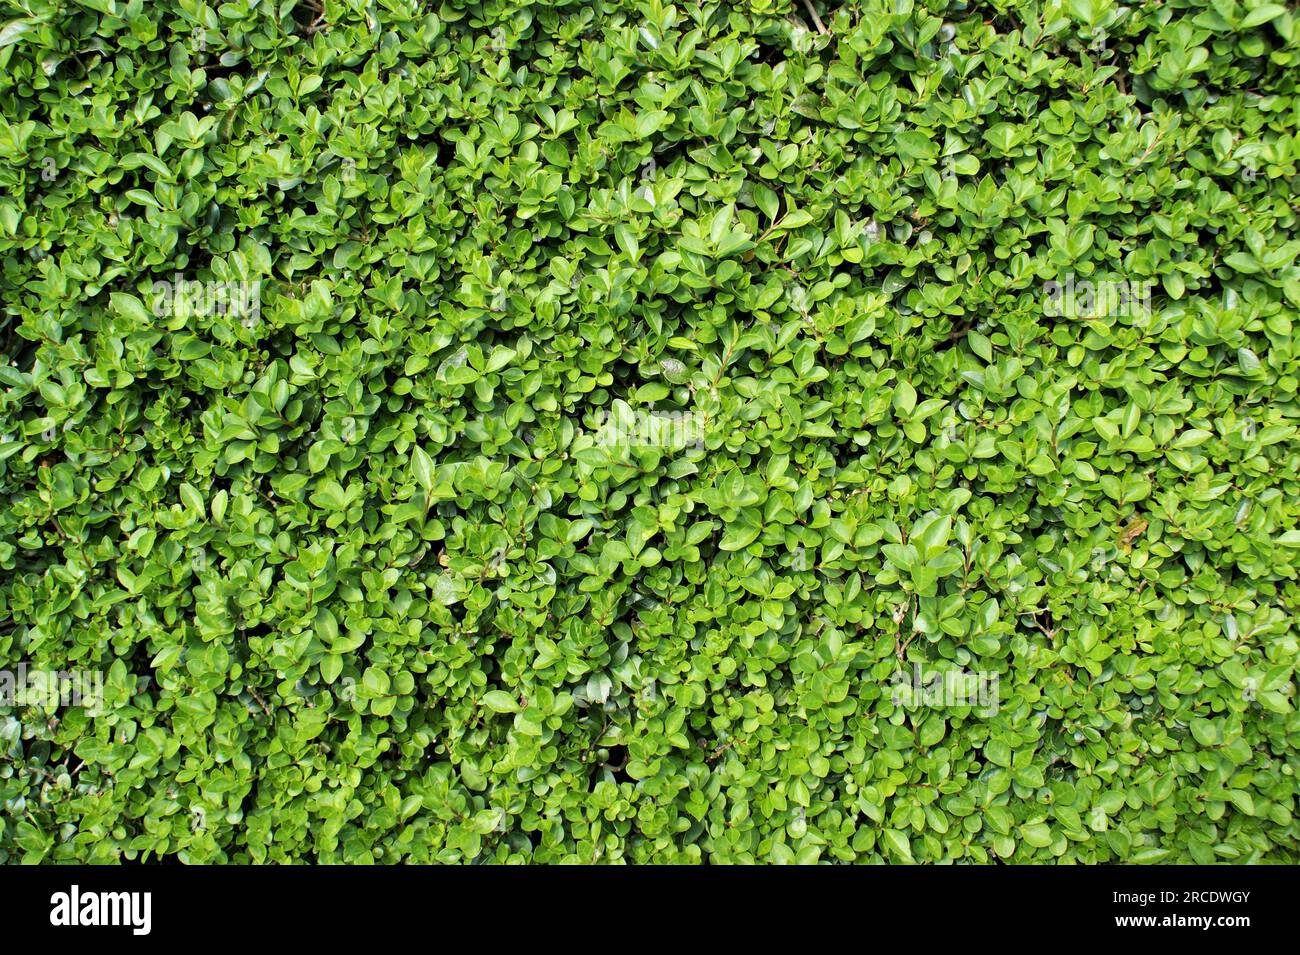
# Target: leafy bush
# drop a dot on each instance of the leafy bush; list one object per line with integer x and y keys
{"x": 772, "y": 430}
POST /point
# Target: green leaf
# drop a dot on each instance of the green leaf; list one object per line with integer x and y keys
{"x": 904, "y": 398}
{"x": 500, "y": 702}
{"x": 897, "y": 844}
{"x": 422, "y": 468}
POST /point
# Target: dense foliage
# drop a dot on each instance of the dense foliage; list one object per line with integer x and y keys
{"x": 503, "y": 431}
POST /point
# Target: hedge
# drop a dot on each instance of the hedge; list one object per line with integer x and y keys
{"x": 620, "y": 431}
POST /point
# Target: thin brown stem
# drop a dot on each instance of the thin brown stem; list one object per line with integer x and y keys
{"x": 812, "y": 12}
